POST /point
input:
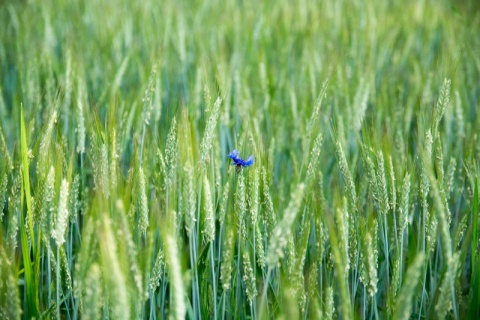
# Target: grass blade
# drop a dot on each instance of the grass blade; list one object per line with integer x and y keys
{"x": 31, "y": 285}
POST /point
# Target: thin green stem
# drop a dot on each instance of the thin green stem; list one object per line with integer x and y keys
{"x": 142, "y": 143}
{"x": 386, "y": 249}
{"x": 58, "y": 283}
{"x": 214, "y": 280}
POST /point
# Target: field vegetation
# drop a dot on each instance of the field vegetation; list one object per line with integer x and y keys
{"x": 118, "y": 199}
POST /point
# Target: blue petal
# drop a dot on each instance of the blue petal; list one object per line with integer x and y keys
{"x": 249, "y": 161}
{"x": 233, "y": 155}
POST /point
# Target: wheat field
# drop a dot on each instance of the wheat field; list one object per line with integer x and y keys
{"x": 118, "y": 125}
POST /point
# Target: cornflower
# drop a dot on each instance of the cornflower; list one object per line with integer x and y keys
{"x": 239, "y": 162}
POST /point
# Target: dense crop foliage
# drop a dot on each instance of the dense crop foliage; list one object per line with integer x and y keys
{"x": 118, "y": 198}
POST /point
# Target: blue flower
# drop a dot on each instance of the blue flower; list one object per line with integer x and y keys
{"x": 239, "y": 162}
